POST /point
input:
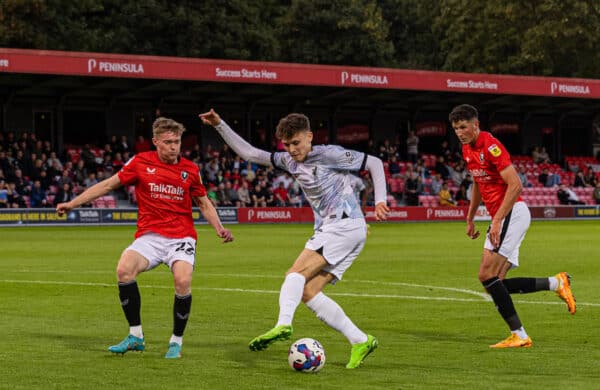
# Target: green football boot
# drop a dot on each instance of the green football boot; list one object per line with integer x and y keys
{"x": 361, "y": 351}
{"x": 281, "y": 332}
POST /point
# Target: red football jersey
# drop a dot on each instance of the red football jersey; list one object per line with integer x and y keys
{"x": 164, "y": 193}
{"x": 485, "y": 161}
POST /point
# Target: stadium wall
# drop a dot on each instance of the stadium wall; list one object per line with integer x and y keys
{"x": 41, "y": 217}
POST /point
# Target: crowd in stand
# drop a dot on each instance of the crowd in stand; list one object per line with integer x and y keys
{"x": 33, "y": 175}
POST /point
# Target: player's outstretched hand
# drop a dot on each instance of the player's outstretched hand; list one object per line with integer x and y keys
{"x": 225, "y": 234}
{"x": 210, "y": 118}
{"x": 381, "y": 211}
{"x": 62, "y": 208}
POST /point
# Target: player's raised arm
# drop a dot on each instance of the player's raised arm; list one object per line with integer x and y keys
{"x": 212, "y": 217}
{"x": 375, "y": 167}
{"x": 237, "y": 143}
{"x": 94, "y": 192}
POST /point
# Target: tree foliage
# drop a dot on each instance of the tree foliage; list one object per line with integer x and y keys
{"x": 531, "y": 37}
{"x": 550, "y": 37}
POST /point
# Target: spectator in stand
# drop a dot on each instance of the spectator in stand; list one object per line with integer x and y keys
{"x": 442, "y": 168}
{"x": 80, "y": 173}
{"x": 458, "y": 171}
{"x": 141, "y": 145}
{"x": 15, "y": 200}
{"x": 211, "y": 194}
{"x": 445, "y": 196}
{"x": 567, "y": 196}
{"x": 65, "y": 177}
{"x": 543, "y": 157}
{"x": 590, "y": 177}
{"x": 244, "y": 195}
{"x": 597, "y": 193}
{"x": 88, "y": 158}
{"x": 548, "y": 179}
{"x": 382, "y": 154}
{"x": 446, "y": 151}
{"x": 259, "y": 198}
{"x": 5, "y": 164}
{"x": 232, "y": 194}
{"x": 282, "y": 198}
{"x": 535, "y": 155}
{"x": 580, "y": 180}
{"x": 90, "y": 180}
{"x": 437, "y": 184}
{"x": 222, "y": 196}
{"x": 21, "y": 185}
{"x": 394, "y": 167}
{"x": 117, "y": 162}
{"x": 4, "y": 204}
{"x": 65, "y": 194}
{"x": 37, "y": 197}
{"x": 523, "y": 177}
{"x": 462, "y": 197}
{"x": 412, "y": 190}
{"x": 45, "y": 180}
{"x": 122, "y": 146}
{"x": 412, "y": 146}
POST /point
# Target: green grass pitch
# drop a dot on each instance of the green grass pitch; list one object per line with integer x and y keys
{"x": 415, "y": 287}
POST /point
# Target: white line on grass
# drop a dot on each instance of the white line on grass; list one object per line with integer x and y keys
{"x": 243, "y": 290}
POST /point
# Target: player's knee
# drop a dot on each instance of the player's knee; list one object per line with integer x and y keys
{"x": 125, "y": 274}
{"x": 485, "y": 274}
{"x": 183, "y": 284}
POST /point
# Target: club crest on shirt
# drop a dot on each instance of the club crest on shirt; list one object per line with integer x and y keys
{"x": 184, "y": 175}
{"x": 495, "y": 150}
{"x": 481, "y": 157}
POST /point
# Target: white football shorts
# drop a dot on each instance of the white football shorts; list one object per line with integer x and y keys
{"x": 163, "y": 250}
{"x": 514, "y": 228}
{"x": 339, "y": 242}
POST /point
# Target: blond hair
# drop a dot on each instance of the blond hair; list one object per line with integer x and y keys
{"x": 164, "y": 125}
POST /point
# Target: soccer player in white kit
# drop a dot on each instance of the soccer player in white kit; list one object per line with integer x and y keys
{"x": 324, "y": 174}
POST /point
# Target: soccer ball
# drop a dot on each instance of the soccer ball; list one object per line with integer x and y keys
{"x": 306, "y": 355}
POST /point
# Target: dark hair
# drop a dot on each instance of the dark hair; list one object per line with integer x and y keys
{"x": 464, "y": 112}
{"x": 292, "y": 124}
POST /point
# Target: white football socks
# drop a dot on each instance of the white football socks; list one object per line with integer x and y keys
{"x": 136, "y": 331}
{"x": 290, "y": 297}
{"x": 553, "y": 283}
{"x": 176, "y": 339}
{"x": 328, "y": 311}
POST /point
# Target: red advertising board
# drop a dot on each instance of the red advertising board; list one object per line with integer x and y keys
{"x": 272, "y": 215}
{"x": 153, "y": 67}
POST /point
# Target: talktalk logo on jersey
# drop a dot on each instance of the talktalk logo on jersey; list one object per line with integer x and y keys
{"x": 166, "y": 191}
{"x": 364, "y": 79}
{"x": 114, "y": 67}
{"x": 578, "y": 89}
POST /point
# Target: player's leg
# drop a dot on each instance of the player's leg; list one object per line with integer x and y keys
{"x": 308, "y": 264}
{"x": 182, "y": 277}
{"x": 130, "y": 265}
{"x": 331, "y": 313}
{"x": 490, "y": 267}
{"x": 559, "y": 283}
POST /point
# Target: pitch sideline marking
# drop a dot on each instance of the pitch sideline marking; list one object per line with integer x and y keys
{"x": 461, "y": 290}
{"x": 391, "y": 296}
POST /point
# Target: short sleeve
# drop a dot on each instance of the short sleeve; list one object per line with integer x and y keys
{"x": 499, "y": 156}
{"x": 127, "y": 174}
{"x": 336, "y": 157}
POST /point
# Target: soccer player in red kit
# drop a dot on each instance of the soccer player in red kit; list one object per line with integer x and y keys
{"x": 165, "y": 186}
{"x": 497, "y": 184}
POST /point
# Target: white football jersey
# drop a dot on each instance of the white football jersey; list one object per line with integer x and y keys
{"x": 326, "y": 180}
